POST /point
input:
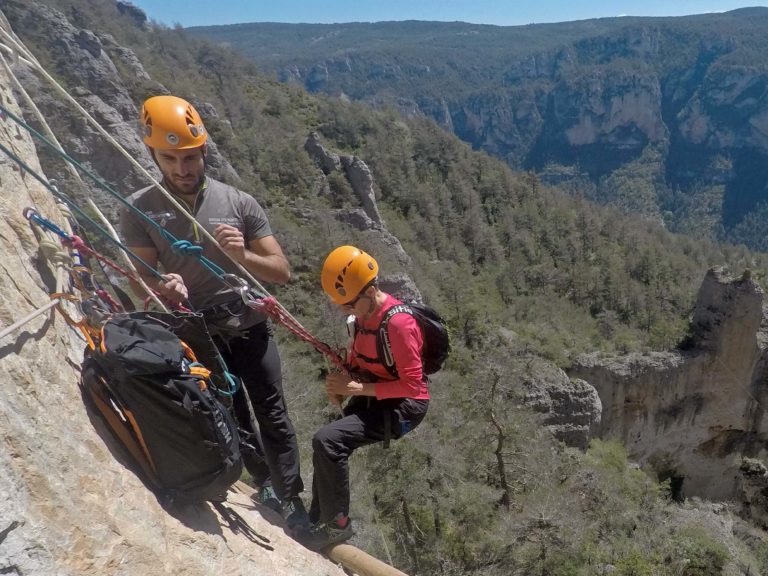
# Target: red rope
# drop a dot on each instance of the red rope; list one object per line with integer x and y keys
{"x": 77, "y": 243}
{"x": 273, "y": 308}
{"x": 270, "y": 305}
{"x": 107, "y": 297}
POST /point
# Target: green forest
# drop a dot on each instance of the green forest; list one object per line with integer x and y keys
{"x": 528, "y": 276}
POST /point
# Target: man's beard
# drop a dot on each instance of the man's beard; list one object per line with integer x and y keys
{"x": 192, "y": 189}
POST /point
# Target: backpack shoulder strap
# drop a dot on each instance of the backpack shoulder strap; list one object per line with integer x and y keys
{"x": 383, "y": 347}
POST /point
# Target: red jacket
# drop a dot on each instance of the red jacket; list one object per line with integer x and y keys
{"x": 406, "y": 342}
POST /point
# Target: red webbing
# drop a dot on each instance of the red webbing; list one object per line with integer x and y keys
{"x": 273, "y": 308}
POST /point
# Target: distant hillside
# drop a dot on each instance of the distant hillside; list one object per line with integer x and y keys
{"x": 665, "y": 117}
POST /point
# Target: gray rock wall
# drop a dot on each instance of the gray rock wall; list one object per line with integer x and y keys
{"x": 693, "y": 413}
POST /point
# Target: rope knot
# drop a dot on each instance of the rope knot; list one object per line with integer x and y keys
{"x": 74, "y": 242}
{"x": 187, "y": 248}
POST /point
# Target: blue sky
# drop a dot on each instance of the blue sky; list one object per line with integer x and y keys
{"x": 500, "y": 12}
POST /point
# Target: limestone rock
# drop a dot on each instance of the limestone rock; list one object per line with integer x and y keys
{"x": 753, "y": 491}
{"x": 126, "y": 56}
{"x": 359, "y": 175}
{"x": 86, "y": 61}
{"x": 401, "y": 286}
{"x": 328, "y": 161}
{"x": 138, "y": 15}
{"x": 727, "y": 315}
{"x": 571, "y": 408}
{"x": 356, "y": 170}
{"x": 692, "y": 413}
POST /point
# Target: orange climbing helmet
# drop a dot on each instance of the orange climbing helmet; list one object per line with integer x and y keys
{"x": 172, "y": 123}
{"x": 346, "y": 272}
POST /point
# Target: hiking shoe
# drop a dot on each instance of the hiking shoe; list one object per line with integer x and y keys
{"x": 266, "y": 497}
{"x": 321, "y": 535}
{"x": 294, "y": 513}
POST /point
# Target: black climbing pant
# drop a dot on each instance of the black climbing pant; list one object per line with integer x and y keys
{"x": 366, "y": 421}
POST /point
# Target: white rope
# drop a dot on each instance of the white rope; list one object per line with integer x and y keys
{"x": 16, "y": 325}
{"x": 108, "y": 225}
{"x": 19, "y": 45}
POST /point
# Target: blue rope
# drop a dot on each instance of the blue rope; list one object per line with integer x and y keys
{"x": 187, "y": 248}
{"x": 229, "y": 378}
{"x": 73, "y": 206}
{"x": 195, "y": 251}
{"x": 231, "y": 381}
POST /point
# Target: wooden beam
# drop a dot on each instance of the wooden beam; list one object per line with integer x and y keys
{"x": 359, "y": 562}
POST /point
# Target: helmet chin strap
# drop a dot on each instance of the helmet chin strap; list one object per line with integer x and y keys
{"x": 375, "y": 301}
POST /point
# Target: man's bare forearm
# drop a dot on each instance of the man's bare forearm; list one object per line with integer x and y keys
{"x": 270, "y": 268}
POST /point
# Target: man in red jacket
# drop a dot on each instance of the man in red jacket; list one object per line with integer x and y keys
{"x": 381, "y": 406}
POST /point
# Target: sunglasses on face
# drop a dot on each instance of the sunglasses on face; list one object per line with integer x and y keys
{"x": 351, "y": 304}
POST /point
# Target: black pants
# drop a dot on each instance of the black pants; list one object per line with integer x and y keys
{"x": 255, "y": 359}
{"x": 363, "y": 423}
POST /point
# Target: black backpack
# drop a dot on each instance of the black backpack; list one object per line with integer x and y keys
{"x": 437, "y": 344}
{"x": 158, "y": 401}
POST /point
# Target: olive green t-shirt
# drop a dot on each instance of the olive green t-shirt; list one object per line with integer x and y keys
{"x": 217, "y": 203}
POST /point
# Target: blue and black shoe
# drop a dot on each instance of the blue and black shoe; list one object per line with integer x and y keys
{"x": 266, "y": 496}
{"x": 322, "y": 535}
{"x": 295, "y": 515}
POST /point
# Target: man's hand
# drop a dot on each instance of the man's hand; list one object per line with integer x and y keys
{"x": 231, "y": 241}
{"x": 337, "y": 384}
{"x": 172, "y": 287}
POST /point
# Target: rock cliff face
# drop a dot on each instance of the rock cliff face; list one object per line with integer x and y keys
{"x": 67, "y": 506}
{"x": 694, "y": 413}
{"x": 355, "y": 169}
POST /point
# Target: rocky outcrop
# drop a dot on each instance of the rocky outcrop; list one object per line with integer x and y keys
{"x": 571, "y": 407}
{"x": 67, "y": 505}
{"x": 753, "y": 491}
{"x": 692, "y": 413}
{"x": 137, "y": 14}
{"x": 375, "y": 235}
{"x": 361, "y": 179}
{"x": 326, "y": 160}
{"x": 356, "y": 170}
{"x": 401, "y": 286}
